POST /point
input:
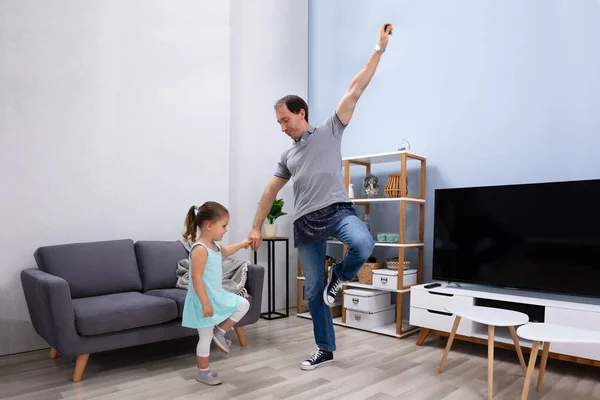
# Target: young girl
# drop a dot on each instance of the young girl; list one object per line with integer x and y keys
{"x": 208, "y": 307}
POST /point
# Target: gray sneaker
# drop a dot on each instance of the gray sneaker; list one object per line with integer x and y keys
{"x": 219, "y": 339}
{"x": 208, "y": 377}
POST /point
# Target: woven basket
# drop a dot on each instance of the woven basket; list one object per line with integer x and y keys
{"x": 393, "y": 188}
{"x": 393, "y": 265}
{"x": 336, "y": 311}
{"x": 365, "y": 274}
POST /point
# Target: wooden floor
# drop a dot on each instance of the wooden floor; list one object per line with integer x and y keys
{"x": 367, "y": 366}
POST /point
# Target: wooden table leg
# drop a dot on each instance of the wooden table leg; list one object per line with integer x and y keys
{"x": 532, "y": 360}
{"x": 543, "y": 365}
{"x": 513, "y": 333}
{"x": 490, "y": 361}
{"x": 449, "y": 344}
{"x": 423, "y": 335}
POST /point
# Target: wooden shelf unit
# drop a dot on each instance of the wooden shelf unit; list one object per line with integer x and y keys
{"x": 401, "y": 328}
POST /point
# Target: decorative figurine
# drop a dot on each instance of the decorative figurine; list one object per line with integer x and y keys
{"x": 371, "y": 185}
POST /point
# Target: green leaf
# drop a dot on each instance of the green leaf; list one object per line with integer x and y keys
{"x": 276, "y": 210}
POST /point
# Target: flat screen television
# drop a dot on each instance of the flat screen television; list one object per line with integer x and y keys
{"x": 541, "y": 236}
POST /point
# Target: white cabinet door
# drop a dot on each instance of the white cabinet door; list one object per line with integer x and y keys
{"x": 436, "y": 301}
{"x": 439, "y": 321}
{"x": 575, "y": 319}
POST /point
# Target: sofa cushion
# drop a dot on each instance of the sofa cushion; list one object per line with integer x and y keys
{"x": 121, "y": 311}
{"x": 157, "y": 261}
{"x": 177, "y": 295}
{"x": 94, "y": 268}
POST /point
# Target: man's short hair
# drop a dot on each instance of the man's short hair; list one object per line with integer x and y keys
{"x": 294, "y": 104}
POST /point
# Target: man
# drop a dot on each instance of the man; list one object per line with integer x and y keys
{"x": 322, "y": 205}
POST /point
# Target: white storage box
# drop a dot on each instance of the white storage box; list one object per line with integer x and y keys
{"x": 388, "y": 279}
{"x": 366, "y": 300}
{"x": 372, "y": 320}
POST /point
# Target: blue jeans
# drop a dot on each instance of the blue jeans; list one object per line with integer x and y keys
{"x": 352, "y": 232}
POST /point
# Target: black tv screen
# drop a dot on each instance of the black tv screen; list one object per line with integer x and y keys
{"x": 542, "y": 236}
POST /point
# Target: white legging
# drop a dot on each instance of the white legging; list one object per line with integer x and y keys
{"x": 206, "y": 334}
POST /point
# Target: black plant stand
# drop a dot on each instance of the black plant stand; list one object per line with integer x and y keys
{"x": 272, "y": 314}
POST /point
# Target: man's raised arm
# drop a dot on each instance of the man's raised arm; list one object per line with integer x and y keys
{"x": 345, "y": 108}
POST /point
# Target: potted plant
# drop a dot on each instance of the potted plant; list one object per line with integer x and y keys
{"x": 276, "y": 212}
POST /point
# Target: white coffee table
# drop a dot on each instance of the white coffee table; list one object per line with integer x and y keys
{"x": 491, "y": 317}
{"x": 550, "y": 333}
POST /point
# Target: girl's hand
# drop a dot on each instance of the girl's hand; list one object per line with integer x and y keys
{"x": 246, "y": 243}
{"x": 207, "y": 310}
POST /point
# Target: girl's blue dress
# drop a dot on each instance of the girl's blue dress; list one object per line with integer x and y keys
{"x": 223, "y": 303}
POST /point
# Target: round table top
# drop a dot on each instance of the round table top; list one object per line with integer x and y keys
{"x": 489, "y": 315}
{"x": 552, "y": 333}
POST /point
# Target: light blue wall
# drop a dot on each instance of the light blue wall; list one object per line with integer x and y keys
{"x": 491, "y": 92}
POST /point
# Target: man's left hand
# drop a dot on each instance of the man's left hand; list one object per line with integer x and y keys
{"x": 384, "y": 34}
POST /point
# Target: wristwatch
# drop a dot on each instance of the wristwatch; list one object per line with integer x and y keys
{"x": 379, "y": 48}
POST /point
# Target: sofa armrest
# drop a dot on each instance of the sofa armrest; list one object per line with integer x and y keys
{"x": 254, "y": 286}
{"x": 254, "y": 282}
{"x": 50, "y": 308}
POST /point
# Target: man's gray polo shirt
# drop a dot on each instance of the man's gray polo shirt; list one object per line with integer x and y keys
{"x": 315, "y": 164}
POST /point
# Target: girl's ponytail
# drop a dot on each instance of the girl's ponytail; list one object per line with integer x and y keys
{"x": 190, "y": 225}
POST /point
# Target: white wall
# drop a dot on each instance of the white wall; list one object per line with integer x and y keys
{"x": 491, "y": 92}
{"x": 114, "y": 119}
{"x": 269, "y": 59}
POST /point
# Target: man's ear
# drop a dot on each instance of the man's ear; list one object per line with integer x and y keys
{"x": 302, "y": 113}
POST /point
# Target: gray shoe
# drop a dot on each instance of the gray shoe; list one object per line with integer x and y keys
{"x": 219, "y": 339}
{"x": 208, "y": 377}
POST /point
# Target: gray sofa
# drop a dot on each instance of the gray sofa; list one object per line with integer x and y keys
{"x": 98, "y": 296}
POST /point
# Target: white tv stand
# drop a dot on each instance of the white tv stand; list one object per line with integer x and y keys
{"x": 427, "y": 312}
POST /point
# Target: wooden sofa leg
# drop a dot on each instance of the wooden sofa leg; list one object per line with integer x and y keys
{"x": 239, "y": 330}
{"x": 80, "y": 364}
{"x": 53, "y": 353}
